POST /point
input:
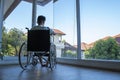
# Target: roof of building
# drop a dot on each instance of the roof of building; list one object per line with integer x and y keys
{"x": 68, "y": 46}
{"x": 118, "y": 35}
{"x": 86, "y": 46}
{"x": 59, "y": 32}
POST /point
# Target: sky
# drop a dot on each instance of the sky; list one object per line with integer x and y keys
{"x": 99, "y": 18}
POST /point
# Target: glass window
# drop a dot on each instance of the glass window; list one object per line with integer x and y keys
{"x": 100, "y": 33}
{"x": 65, "y": 22}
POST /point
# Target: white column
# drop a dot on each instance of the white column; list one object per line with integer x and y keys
{"x": 1, "y": 21}
{"x": 34, "y": 9}
{"x": 78, "y": 29}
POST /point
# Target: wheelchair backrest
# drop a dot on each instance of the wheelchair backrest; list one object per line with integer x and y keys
{"x": 38, "y": 40}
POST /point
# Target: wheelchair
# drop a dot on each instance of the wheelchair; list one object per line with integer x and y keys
{"x": 37, "y": 49}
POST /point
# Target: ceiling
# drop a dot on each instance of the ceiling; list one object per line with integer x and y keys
{"x": 10, "y": 5}
{"x": 40, "y": 2}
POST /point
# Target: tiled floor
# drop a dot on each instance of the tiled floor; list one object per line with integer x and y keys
{"x": 62, "y": 72}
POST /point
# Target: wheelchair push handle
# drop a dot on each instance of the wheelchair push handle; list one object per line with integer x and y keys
{"x": 27, "y": 28}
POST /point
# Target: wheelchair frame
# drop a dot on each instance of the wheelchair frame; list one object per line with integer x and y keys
{"x": 38, "y": 46}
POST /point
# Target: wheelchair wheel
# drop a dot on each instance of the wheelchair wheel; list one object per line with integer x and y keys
{"x": 24, "y": 56}
{"x": 52, "y": 57}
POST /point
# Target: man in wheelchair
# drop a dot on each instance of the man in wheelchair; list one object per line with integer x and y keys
{"x": 38, "y": 47}
{"x": 41, "y": 21}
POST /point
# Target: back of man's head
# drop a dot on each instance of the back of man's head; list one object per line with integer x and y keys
{"x": 41, "y": 19}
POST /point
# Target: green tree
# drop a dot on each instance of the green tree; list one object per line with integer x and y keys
{"x": 4, "y": 40}
{"x": 105, "y": 49}
{"x": 15, "y": 39}
{"x": 69, "y": 54}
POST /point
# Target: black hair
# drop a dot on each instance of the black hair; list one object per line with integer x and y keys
{"x": 41, "y": 19}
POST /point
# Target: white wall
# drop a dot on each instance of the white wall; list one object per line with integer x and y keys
{"x": 59, "y": 45}
{"x": 58, "y": 51}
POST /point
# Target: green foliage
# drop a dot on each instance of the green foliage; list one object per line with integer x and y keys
{"x": 105, "y": 49}
{"x": 4, "y": 40}
{"x": 12, "y": 41}
{"x": 15, "y": 37}
{"x": 69, "y": 54}
{"x": 11, "y": 50}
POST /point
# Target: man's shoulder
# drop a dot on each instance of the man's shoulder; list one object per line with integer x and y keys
{"x": 40, "y": 28}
